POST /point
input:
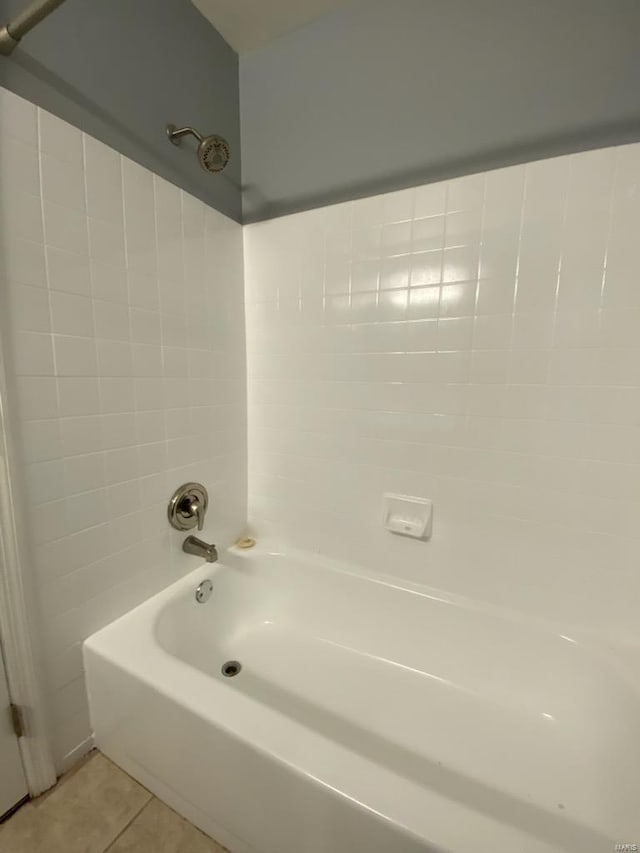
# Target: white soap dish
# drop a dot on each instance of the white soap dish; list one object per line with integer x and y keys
{"x": 408, "y": 516}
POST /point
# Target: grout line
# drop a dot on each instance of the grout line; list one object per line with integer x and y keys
{"x": 126, "y": 827}
{"x": 4, "y": 818}
{"x": 47, "y": 273}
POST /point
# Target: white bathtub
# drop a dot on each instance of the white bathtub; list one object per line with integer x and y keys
{"x": 368, "y": 717}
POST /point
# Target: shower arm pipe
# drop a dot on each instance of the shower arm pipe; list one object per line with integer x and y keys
{"x": 24, "y": 22}
{"x": 176, "y": 133}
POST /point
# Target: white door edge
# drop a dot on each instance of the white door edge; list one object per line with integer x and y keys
{"x": 15, "y": 628}
{"x": 13, "y": 784}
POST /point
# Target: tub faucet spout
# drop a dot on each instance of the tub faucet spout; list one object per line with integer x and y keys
{"x": 193, "y": 545}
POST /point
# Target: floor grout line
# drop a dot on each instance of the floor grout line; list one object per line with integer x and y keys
{"x": 109, "y": 846}
{"x": 128, "y": 824}
{"x": 4, "y": 818}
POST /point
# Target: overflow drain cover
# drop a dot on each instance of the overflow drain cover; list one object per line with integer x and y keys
{"x": 231, "y": 668}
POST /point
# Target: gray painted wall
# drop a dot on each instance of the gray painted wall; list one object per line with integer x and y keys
{"x": 382, "y": 95}
{"x": 122, "y": 69}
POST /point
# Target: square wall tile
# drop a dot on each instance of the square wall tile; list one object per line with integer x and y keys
{"x": 65, "y": 228}
{"x": 62, "y": 183}
{"x": 68, "y": 271}
{"x": 30, "y": 308}
{"x": 103, "y": 174}
{"x": 71, "y": 314}
{"x": 59, "y": 139}
{"x": 19, "y": 119}
{"x": 33, "y": 354}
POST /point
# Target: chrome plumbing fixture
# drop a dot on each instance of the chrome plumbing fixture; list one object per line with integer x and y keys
{"x": 203, "y": 591}
{"x": 188, "y": 507}
{"x": 213, "y": 151}
{"x": 12, "y": 33}
{"x": 193, "y": 545}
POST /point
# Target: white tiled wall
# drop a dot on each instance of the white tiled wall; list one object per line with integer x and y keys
{"x": 122, "y": 315}
{"x": 476, "y": 342}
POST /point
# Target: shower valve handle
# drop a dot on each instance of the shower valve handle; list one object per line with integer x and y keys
{"x": 188, "y": 507}
{"x": 195, "y": 509}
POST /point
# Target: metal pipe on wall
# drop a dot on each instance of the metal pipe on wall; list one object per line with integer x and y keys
{"x": 12, "y": 33}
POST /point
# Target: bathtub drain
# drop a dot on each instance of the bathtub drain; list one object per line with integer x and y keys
{"x": 231, "y": 668}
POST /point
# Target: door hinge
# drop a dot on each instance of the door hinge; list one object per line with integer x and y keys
{"x": 17, "y": 719}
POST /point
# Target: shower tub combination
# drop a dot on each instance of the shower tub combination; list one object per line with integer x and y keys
{"x": 366, "y": 715}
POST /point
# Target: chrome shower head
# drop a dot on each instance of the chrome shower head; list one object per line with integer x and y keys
{"x": 213, "y": 151}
